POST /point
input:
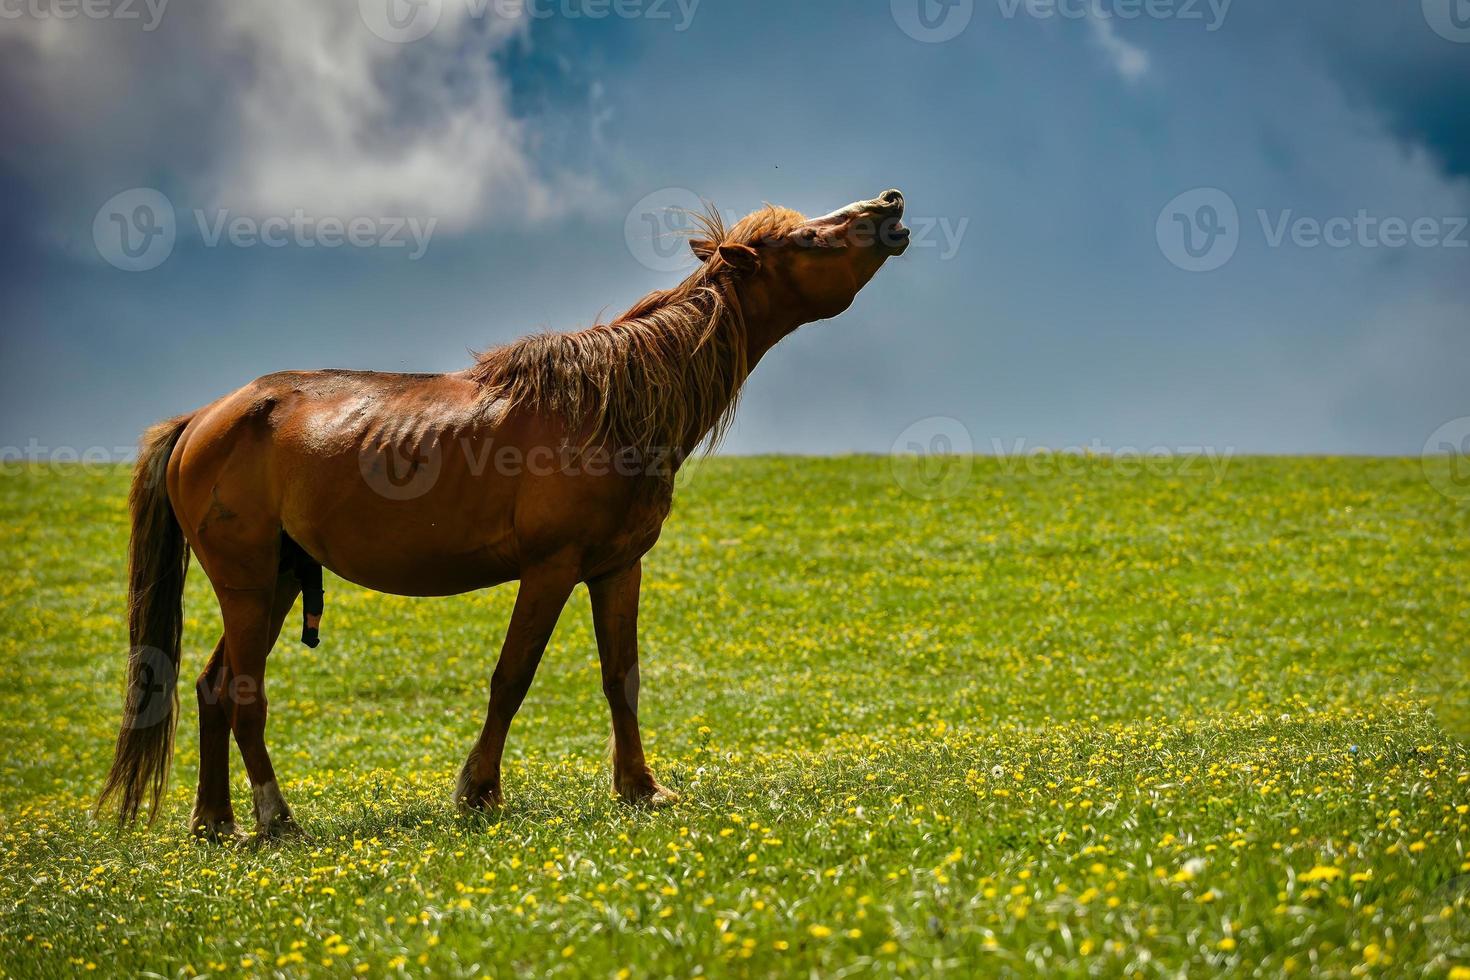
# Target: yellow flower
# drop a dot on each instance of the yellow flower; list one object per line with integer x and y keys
{"x": 1322, "y": 872}
{"x": 1226, "y": 944}
{"x": 819, "y": 932}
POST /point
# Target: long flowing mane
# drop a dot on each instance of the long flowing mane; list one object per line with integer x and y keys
{"x": 664, "y": 376}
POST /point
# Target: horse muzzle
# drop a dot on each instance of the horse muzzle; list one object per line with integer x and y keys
{"x": 877, "y": 223}
{"x": 887, "y": 210}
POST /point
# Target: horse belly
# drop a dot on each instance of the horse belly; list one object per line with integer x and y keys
{"x": 454, "y": 537}
{"x": 409, "y": 557}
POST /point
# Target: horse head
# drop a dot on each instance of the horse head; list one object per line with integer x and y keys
{"x": 793, "y": 268}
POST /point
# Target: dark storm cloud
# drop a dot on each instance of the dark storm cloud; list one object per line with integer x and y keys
{"x": 1389, "y": 58}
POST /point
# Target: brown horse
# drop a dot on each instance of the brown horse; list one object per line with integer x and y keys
{"x": 549, "y": 461}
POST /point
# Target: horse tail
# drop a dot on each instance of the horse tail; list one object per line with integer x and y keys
{"x": 158, "y": 557}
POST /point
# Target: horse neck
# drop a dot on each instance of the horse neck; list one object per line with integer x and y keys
{"x": 767, "y": 323}
{"x": 746, "y": 331}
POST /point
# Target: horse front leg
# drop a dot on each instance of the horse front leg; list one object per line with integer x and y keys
{"x": 539, "y": 600}
{"x": 615, "y": 620}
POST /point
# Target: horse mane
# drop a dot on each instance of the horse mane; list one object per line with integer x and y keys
{"x": 665, "y": 376}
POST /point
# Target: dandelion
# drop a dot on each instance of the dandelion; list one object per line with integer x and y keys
{"x": 1321, "y": 872}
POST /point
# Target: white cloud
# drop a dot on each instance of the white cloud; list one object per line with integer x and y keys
{"x": 271, "y": 106}
{"x": 1126, "y": 58}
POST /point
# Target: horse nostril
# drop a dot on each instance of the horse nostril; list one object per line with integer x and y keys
{"x": 892, "y": 198}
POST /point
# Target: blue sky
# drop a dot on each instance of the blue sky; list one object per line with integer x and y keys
{"x": 1040, "y": 146}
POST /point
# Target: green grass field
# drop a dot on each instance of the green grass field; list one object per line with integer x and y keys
{"x": 1081, "y": 718}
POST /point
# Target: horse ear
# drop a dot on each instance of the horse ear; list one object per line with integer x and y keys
{"x": 702, "y": 248}
{"x": 741, "y": 258}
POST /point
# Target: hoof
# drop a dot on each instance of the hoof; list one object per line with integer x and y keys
{"x": 661, "y": 797}
{"x": 279, "y": 829}
{"x": 646, "y": 792}
{"x": 472, "y": 794}
{"x": 481, "y": 799}
{"x": 222, "y": 831}
{"x": 273, "y": 820}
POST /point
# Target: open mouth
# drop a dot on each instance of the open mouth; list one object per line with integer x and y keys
{"x": 876, "y": 224}
{"x": 893, "y": 236}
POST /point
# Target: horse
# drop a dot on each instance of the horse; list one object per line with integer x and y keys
{"x": 549, "y": 461}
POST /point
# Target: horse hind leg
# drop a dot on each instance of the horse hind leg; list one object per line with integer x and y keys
{"x": 213, "y": 817}
{"x": 252, "y": 619}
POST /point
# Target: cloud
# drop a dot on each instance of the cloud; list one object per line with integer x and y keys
{"x": 271, "y": 106}
{"x": 1127, "y": 59}
{"x": 1388, "y": 58}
